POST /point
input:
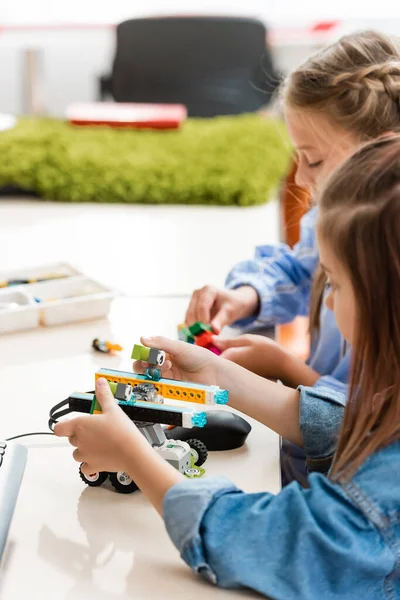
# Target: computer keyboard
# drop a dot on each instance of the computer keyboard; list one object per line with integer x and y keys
{"x": 12, "y": 465}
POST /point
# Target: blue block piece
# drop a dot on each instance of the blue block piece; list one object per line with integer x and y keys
{"x": 221, "y": 397}
{"x": 130, "y": 402}
{"x": 199, "y": 419}
{"x": 152, "y": 374}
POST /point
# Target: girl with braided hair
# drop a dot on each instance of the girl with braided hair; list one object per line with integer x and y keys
{"x": 341, "y": 98}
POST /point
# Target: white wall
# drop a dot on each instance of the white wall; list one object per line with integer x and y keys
{"x": 70, "y": 59}
{"x": 103, "y": 11}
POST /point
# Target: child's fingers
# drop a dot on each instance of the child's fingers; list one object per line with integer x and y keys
{"x": 225, "y": 343}
{"x": 172, "y": 347}
{"x": 221, "y": 319}
{"x": 205, "y": 303}
{"x": 87, "y": 469}
{"x": 65, "y": 429}
{"x": 201, "y": 304}
{"x": 77, "y": 455}
{"x": 139, "y": 366}
{"x": 233, "y": 354}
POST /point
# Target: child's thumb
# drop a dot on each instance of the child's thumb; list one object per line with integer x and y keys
{"x": 104, "y": 395}
{"x": 172, "y": 347}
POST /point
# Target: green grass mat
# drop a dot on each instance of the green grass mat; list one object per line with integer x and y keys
{"x": 227, "y": 161}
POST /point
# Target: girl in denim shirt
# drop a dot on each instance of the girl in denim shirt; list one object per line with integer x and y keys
{"x": 337, "y": 100}
{"x": 340, "y": 538}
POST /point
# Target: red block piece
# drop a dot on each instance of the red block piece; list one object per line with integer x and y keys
{"x": 205, "y": 339}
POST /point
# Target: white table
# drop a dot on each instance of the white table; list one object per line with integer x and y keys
{"x": 71, "y": 542}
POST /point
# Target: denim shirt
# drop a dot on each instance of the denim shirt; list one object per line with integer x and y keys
{"x": 282, "y": 277}
{"x": 336, "y": 541}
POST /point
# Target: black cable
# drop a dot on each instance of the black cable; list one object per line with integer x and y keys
{"x": 56, "y": 412}
{"x": 59, "y": 410}
{"x": 21, "y": 435}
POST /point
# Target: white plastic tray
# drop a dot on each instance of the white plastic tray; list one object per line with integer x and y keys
{"x": 75, "y": 297}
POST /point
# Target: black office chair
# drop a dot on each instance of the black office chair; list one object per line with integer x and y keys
{"x": 213, "y": 65}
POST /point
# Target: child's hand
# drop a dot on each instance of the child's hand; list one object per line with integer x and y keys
{"x": 103, "y": 442}
{"x": 256, "y": 353}
{"x": 186, "y": 362}
{"x": 221, "y": 307}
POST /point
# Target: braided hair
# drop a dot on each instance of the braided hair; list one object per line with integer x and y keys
{"x": 356, "y": 83}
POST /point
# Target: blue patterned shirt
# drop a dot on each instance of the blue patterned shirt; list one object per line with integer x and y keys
{"x": 328, "y": 541}
{"x": 283, "y": 278}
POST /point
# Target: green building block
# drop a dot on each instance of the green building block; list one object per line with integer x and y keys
{"x": 198, "y": 328}
{"x": 113, "y": 387}
{"x": 185, "y": 335}
{"x": 140, "y": 352}
{"x": 95, "y": 404}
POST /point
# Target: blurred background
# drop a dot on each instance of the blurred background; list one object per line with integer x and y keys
{"x": 52, "y": 53}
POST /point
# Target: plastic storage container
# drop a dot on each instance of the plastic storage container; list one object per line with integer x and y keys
{"x": 50, "y": 295}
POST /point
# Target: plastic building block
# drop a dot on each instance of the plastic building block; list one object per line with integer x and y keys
{"x": 194, "y": 472}
{"x": 151, "y": 355}
{"x": 214, "y": 349}
{"x": 141, "y": 411}
{"x": 199, "y": 334}
{"x": 105, "y": 346}
{"x": 199, "y": 419}
{"x": 184, "y": 334}
{"x": 140, "y": 353}
{"x": 205, "y": 339}
{"x": 123, "y": 391}
{"x": 156, "y": 357}
{"x": 153, "y": 374}
{"x": 198, "y": 328}
{"x": 168, "y": 388}
{"x": 148, "y": 392}
{"x": 221, "y": 397}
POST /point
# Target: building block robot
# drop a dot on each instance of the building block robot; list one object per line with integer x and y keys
{"x": 198, "y": 334}
{"x": 143, "y": 401}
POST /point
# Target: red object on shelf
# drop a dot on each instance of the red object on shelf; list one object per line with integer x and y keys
{"x": 119, "y": 114}
{"x": 325, "y": 26}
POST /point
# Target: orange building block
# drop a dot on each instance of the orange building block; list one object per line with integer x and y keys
{"x": 295, "y": 202}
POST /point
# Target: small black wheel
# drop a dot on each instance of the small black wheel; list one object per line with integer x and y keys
{"x": 123, "y": 483}
{"x": 94, "y": 479}
{"x": 199, "y": 452}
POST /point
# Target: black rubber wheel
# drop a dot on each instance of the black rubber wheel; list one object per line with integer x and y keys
{"x": 94, "y": 479}
{"x": 200, "y": 452}
{"x": 122, "y": 483}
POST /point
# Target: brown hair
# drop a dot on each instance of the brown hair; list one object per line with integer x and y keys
{"x": 356, "y": 82}
{"x": 360, "y": 220}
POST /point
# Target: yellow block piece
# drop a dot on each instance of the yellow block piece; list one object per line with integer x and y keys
{"x": 174, "y": 392}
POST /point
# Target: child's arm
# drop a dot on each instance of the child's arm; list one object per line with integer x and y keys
{"x": 272, "y": 288}
{"x": 267, "y": 358}
{"x": 288, "y": 546}
{"x": 275, "y": 405}
{"x": 111, "y": 442}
